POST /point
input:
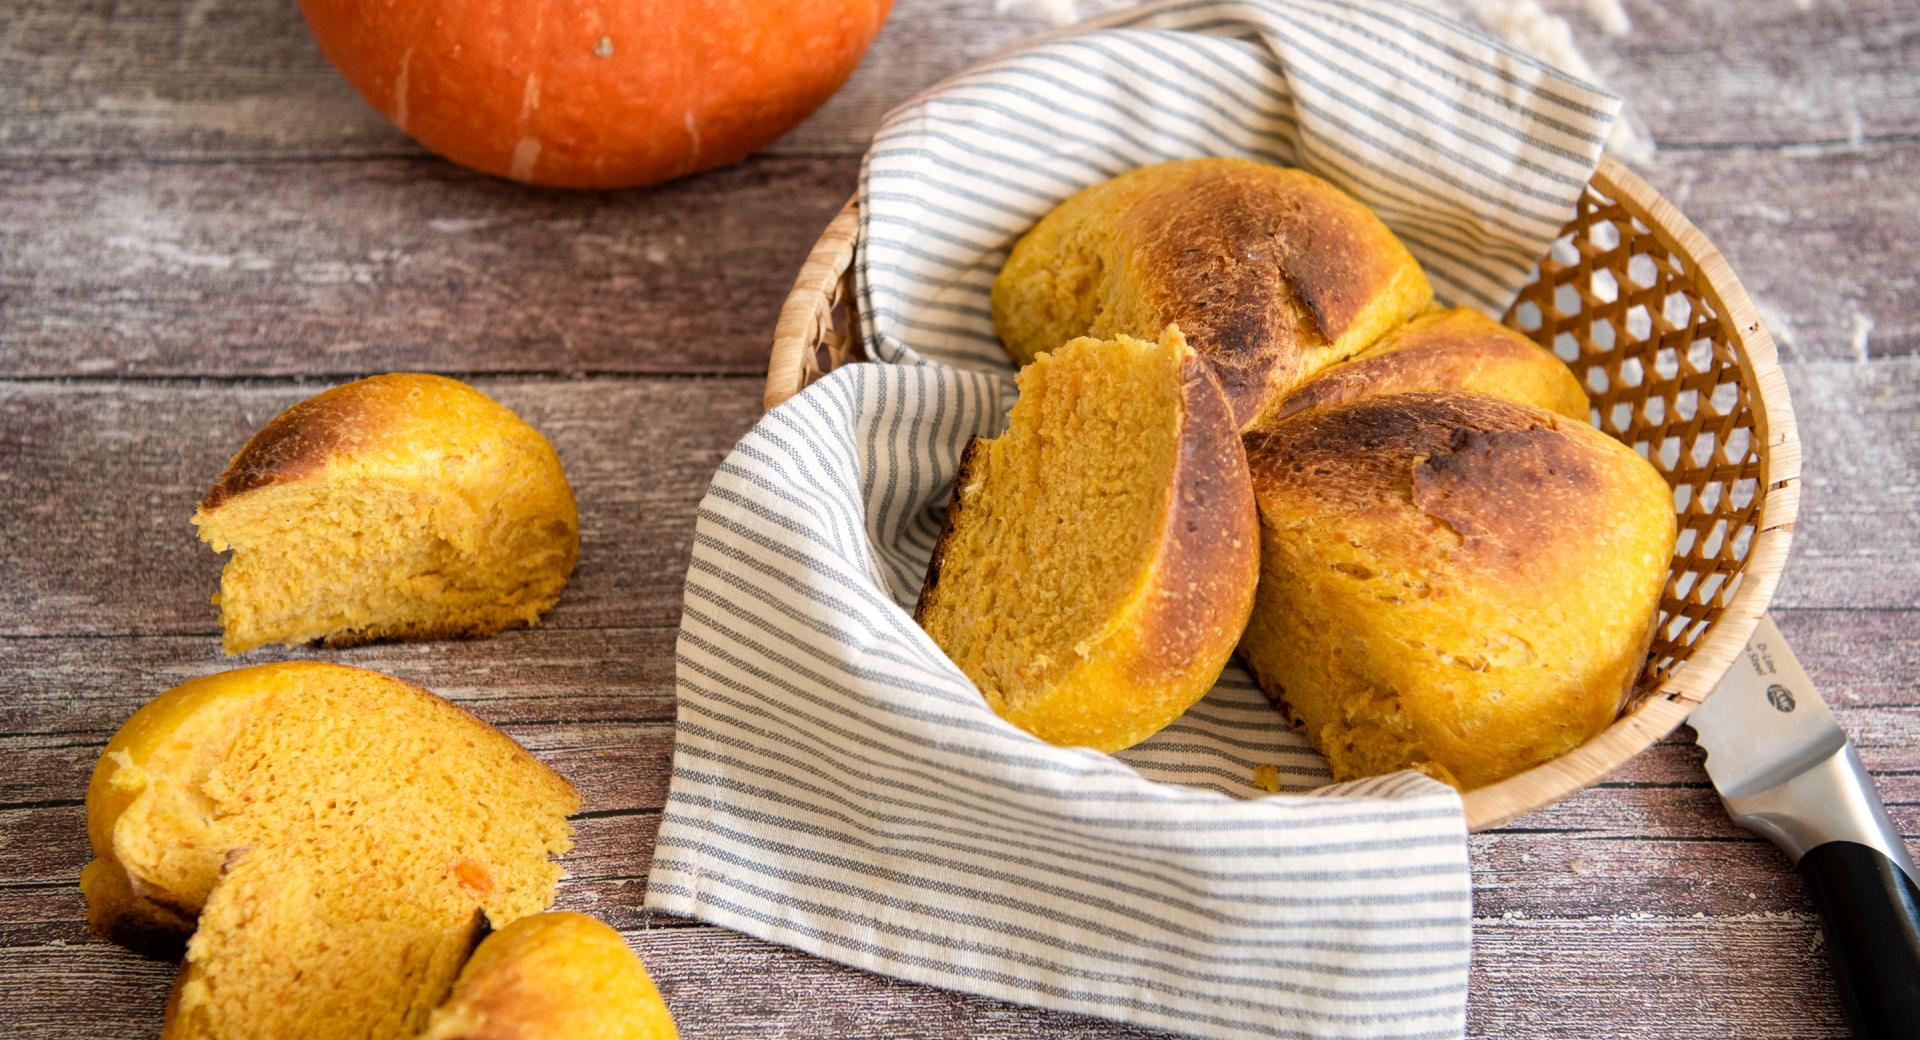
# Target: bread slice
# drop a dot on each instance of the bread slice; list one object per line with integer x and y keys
{"x": 337, "y": 837}
{"x": 551, "y": 976}
{"x": 403, "y": 506}
{"x": 1456, "y": 349}
{"x": 1451, "y": 582}
{"x": 1099, "y": 557}
{"x": 1272, "y": 273}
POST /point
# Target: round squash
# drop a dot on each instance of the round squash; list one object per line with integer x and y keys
{"x": 595, "y": 95}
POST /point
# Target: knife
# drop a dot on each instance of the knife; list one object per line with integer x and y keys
{"x": 1785, "y": 770}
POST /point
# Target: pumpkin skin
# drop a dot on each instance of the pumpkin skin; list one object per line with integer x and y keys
{"x": 594, "y": 93}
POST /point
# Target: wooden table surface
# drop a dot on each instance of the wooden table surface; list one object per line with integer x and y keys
{"x": 200, "y": 224}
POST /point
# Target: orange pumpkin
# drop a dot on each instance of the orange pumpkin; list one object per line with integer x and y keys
{"x": 595, "y": 93}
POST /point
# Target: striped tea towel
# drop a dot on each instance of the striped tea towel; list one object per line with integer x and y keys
{"x": 840, "y": 787}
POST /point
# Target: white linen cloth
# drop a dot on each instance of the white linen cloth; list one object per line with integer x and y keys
{"x": 840, "y": 787}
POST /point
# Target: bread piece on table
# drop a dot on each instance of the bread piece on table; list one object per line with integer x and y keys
{"x": 553, "y": 976}
{"x": 398, "y": 507}
{"x": 1456, "y": 349}
{"x": 1271, "y": 272}
{"x": 1452, "y": 582}
{"x": 1099, "y": 557}
{"x": 336, "y": 836}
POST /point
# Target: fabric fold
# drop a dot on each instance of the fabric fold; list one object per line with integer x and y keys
{"x": 840, "y": 787}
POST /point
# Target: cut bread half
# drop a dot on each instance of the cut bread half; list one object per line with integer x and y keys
{"x": 324, "y": 833}
{"x": 1099, "y": 558}
{"x": 403, "y": 506}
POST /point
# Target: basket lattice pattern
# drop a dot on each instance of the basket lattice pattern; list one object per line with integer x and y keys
{"x": 1626, "y": 314}
{"x": 1669, "y": 347}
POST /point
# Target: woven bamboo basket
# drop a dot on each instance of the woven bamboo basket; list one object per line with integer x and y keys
{"x": 1653, "y": 322}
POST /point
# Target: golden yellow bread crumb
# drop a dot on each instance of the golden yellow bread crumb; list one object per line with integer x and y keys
{"x": 333, "y": 839}
{"x": 1272, "y": 273}
{"x": 402, "y": 506}
{"x": 1451, "y": 582}
{"x": 1099, "y": 557}
{"x": 554, "y": 976}
{"x": 1456, "y": 349}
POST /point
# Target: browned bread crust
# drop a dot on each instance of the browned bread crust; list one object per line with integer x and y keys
{"x": 1272, "y": 273}
{"x": 1452, "y": 582}
{"x": 1457, "y": 349}
{"x": 298, "y": 443}
{"x": 402, "y": 506}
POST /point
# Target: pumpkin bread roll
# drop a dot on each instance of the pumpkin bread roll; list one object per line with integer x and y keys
{"x": 1272, "y": 273}
{"x": 333, "y": 839}
{"x": 1456, "y": 349}
{"x": 403, "y": 506}
{"x": 1452, "y": 583}
{"x": 552, "y": 976}
{"x": 1099, "y": 557}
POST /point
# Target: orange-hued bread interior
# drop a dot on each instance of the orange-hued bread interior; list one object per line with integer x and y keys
{"x": 333, "y": 839}
{"x": 402, "y": 506}
{"x": 1454, "y": 349}
{"x": 553, "y": 976}
{"x": 1451, "y": 582}
{"x": 1271, "y": 273}
{"x": 1099, "y": 557}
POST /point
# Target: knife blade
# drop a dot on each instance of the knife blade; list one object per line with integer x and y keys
{"x": 1785, "y": 769}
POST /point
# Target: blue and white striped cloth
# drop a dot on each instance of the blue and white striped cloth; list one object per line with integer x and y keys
{"x": 840, "y": 787}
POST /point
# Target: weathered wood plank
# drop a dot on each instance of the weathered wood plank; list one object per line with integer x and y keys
{"x": 640, "y": 454}
{"x": 106, "y": 478}
{"x": 1609, "y": 851}
{"x": 381, "y": 265}
{"x": 1827, "y": 240}
{"x": 1652, "y": 841}
{"x": 200, "y": 79}
{"x": 196, "y": 79}
{"x": 60, "y": 697}
{"x": 528, "y": 677}
{"x": 371, "y": 265}
{"x": 1756, "y": 977}
{"x": 1760, "y": 977}
{"x": 1853, "y": 544}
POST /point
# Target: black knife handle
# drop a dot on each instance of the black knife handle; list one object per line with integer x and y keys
{"x": 1870, "y": 911}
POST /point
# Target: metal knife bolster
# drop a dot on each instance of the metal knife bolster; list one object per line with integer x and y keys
{"x": 1831, "y": 800}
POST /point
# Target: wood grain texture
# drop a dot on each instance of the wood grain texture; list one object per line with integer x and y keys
{"x": 394, "y": 264}
{"x": 200, "y": 224}
{"x": 198, "y": 232}
{"x": 639, "y": 453}
{"x": 127, "y": 267}
{"x": 1794, "y": 73}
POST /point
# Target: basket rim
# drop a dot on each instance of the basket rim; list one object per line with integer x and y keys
{"x": 805, "y": 323}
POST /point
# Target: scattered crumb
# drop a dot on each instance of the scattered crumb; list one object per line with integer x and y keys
{"x": 1611, "y": 16}
{"x": 603, "y": 49}
{"x": 1267, "y": 778}
{"x": 1856, "y": 128}
{"x": 1861, "y": 332}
